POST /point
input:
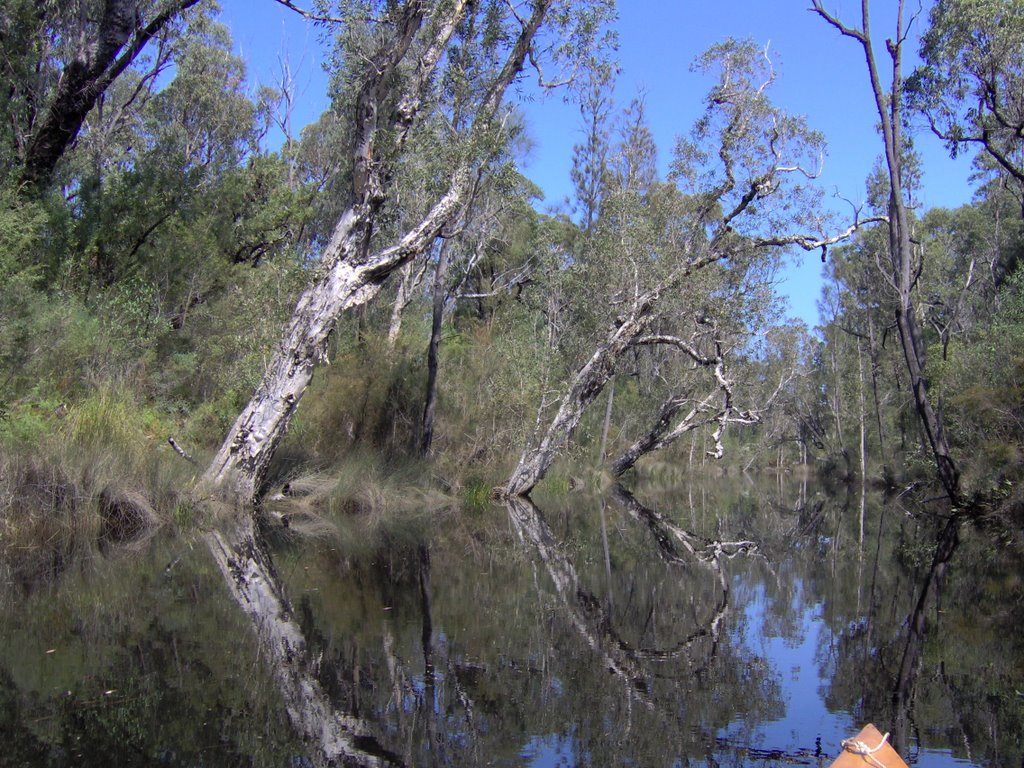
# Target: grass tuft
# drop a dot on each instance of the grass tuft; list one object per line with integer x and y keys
{"x": 360, "y": 504}
{"x": 79, "y": 479}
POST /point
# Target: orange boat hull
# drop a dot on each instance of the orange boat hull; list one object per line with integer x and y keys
{"x": 863, "y": 751}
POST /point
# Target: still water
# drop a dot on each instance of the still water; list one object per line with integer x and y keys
{"x": 721, "y": 625}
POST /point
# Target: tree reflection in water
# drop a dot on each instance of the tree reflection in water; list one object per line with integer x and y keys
{"x": 597, "y": 632}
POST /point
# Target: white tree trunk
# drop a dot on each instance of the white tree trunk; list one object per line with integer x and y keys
{"x": 586, "y": 385}
{"x": 410, "y": 280}
{"x": 347, "y": 281}
{"x": 348, "y": 277}
{"x": 660, "y": 435}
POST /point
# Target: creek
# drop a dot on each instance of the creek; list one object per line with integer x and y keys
{"x": 723, "y": 623}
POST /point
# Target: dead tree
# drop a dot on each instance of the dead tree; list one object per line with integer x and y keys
{"x": 717, "y": 408}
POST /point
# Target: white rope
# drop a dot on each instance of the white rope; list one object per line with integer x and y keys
{"x": 860, "y": 748}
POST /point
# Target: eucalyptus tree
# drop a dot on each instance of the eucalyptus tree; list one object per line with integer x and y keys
{"x": 180, "y": 166}
{"x": 741, "y": 191}
{"x": 701, "y": 348}
{"x": 396, "y": 54}
{"x": 497, "y": 198}
{"x": 970, "y": 85}
{"x": 903, "y": 257}
{"x": 59, "y": 58}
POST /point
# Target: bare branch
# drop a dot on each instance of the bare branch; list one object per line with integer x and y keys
{"x": 679, "y": 343}
{"x": 310, "y": 16}
{"x": 856, "y": 34}
{"x": 420, "y": 237}
{"x": 814, "y": 242}
{"x": 550, "y": 84}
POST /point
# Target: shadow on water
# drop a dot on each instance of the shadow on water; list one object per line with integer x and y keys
{"x": 719, "y": 624}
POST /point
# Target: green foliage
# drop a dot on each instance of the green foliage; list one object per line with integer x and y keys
{"x": 74, "y": 476}
{"x": 165, "y": 266}
{"x": 184, "y": 514}
{"x": 983, "y": 383}
{"x": 108, "y": 419}
{"x": 21, "y": 224}
{"x": 969, "y": 86}
{"x": 143, "y": 280}
{"x": 476, "y": 495}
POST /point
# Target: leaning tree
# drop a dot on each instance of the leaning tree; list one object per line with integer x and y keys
{"x": 59, "y": 59}
{"x": 398, "y": 62}
{"x": 744, "y": 190}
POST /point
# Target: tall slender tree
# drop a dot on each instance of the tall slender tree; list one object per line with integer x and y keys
{"x": 903, "y": 255}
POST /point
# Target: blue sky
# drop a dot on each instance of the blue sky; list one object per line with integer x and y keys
{"x": 820, "y": 75}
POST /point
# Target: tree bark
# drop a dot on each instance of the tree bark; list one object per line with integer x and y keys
{"x": 659, "y": 435}
{"x": 348, "y": 277}
{"x": 862, "y": 420}
{"x": 586, "y": 385}
{"x": 411, "y": 275}
{"x": 607, "y": 422}
{"x": 873, "y": 355}
{"x": 437, "y": 316}
{"x": 837, "y": 405}
{"x": 242, "y": 461}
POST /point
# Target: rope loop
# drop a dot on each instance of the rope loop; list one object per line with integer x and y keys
{"x": 860, "y": 748}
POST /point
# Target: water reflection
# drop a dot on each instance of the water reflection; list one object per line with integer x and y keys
{"x": 711, "y": 625}
{"x": 334, "y": 732}
{"x": 129, "y": 662}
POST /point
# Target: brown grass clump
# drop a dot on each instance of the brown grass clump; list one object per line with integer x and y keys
{"x": 358, "y": 503}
